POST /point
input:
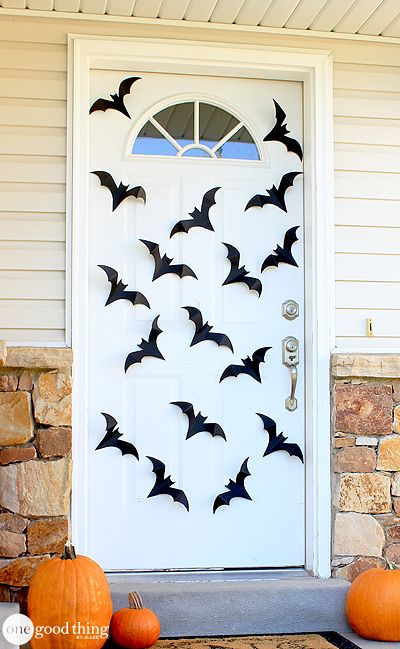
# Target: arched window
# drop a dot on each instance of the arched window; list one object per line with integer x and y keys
{"x": 196, "y": 129}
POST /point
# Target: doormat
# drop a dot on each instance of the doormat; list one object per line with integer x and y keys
{"x": 323, "y": 640}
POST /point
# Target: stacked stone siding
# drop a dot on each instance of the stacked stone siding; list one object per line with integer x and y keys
{"x": 365, "y": 462}
{"x": 35, "y": 462}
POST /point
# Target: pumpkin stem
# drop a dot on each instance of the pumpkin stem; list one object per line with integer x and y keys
{"x": 135, "y": 601}
{"x": 69, "y": 551}
{"x": 391, "y": 565}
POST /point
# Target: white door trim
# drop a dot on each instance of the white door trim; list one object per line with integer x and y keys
{"x": 314, "y": 69}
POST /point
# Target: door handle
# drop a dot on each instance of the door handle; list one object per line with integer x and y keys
{"x": 290, "y": 358}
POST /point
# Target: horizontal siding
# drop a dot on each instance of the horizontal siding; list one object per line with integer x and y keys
{"x": 33, "y": 90}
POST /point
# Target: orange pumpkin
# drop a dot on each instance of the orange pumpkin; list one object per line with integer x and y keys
{"x": 373, "y": 604}
{"x": 66, "y": 596}
{"x": 134, "y": 627}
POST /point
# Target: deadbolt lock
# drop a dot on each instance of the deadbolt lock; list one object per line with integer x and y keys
{"x": 290, "y": 309}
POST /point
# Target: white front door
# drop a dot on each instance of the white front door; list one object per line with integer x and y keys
{"x": 171, "y": 143}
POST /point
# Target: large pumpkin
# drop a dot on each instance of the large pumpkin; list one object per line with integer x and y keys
{"x": 66, "y": 596}
{"x": 135, "y": 627}
{"x": 373, "y": 604}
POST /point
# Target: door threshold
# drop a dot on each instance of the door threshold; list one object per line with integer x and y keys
{"x": 217, "y": 575}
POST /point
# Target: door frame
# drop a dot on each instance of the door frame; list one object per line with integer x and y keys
{"x": 314, "y": 69}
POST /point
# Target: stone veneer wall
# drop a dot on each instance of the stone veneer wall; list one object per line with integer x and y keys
{"x": 35, "y": 462}
{"x": 365, "y": 462}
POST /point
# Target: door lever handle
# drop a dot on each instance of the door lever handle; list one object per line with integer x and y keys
{"x": 290, "y": 358}
{"x": 291, "y": 401}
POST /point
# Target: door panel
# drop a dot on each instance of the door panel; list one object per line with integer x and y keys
{"x": 156, "y": 532}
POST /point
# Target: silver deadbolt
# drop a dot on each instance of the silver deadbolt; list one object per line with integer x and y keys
{"x": 290, "y": 358}
{"x": 290, "y": 310}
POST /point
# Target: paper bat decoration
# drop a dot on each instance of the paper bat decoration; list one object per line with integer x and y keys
{"x": 112, "y": 438}
{"x": 118, "y": 292}
{"x": 278, "y": 443}
{"x": 203, "y": 330}
{"x": 117, "y": 100}
{"x": 163, "y": 485}
{"x": 236, "y": 488}
{"x": 283, "y": 255}
{"x": 121, "y": 192}
{"x": 196, "y": 422}
{"x": 148, "y": 347}
{"x": 275, "y": 196}
{"x": 239, "y": 275}
{"x": 251, "y": 366}
{"x": 200, "y": 218}
{"x": 280, "y": 130}
{"x": 163, "y": 264}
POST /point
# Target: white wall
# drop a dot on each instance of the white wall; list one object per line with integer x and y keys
{"x": 33, "y": 64}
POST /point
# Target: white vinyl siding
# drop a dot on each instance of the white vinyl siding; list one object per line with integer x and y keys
{"x": 33, "y": 89}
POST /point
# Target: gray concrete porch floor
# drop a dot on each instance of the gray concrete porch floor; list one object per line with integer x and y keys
{"x": 370, "y": 644}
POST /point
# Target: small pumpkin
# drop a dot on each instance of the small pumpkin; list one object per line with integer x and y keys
{"x": 135, "y": 627}
{"x": 66, "y": 595}
{"x": 373, "y": 604}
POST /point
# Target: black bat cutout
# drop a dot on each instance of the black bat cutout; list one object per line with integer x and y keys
{"x": 275, "y": 196}
{"x": 283, "y": 255}
{"x": 162, "y": 265}
{"x": 200, "y": 218}
{"x": 148, "y": 347}
{"x": 239, "y": 275}
{"x": 278, "y": 443}
{"x": 236, "y": 488}
{"x": 203, "y": 330}
{"x": 112, "y": 438}
{"x": 117, "y": 100}
{"x": 251, "y": 366}
{"x": 118, "y": 292}
{"x": 279, "y": 133}
{"x": 163, "y": 485}
{"x": 196, "y": 422}
{"x": 121, "y": 192}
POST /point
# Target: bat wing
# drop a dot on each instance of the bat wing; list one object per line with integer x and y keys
{"x": 136, "y": 297}
{"x": 290, "y": 237}
{"x": 215, "y": 430}
{"x": 182, "y": 270}
{"x": 158, "y": 468}
{"x": 253, "y": 284}
{"x": 233, "y": 370}
{"x": 208, "y": 200}
{"x": 187, "y": 409}
{"x": 195, "y": 316}
{"x": 292, "y": 145}
{"x": 101, "y": 104}
{"x": 126, "y": 85}
{"x": 259, "y": 355}
{"x": 259, "y": 200}
{"x": 269, "y": 425}
{"x": 127, "y": 448}
{"x": 222, "y": 340}
{"x": 243, "y": 473}
{"x": 287, "y": 181}
{"x": 293, "y": 449}
{"x": 137, "y": 192}
{"x": 111, "y": 273}
{"x": 223, "y": 499}
{"x": 111, "y": 423}
{"x": 233, "y": 255}
{"x": 133, "y": 358}
{"x": 182, "y": 226}
{"x": 106, "y": 180}
{"x": 177, "y": 496}
{"x": 271, "y": 260}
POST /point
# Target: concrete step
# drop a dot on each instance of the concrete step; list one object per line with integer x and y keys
{"x": 6, "y": 609}
{"x": 199, "y": 604}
